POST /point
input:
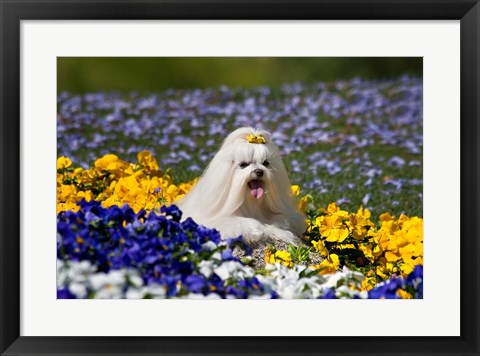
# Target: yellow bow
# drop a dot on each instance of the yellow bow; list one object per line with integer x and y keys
{"x": 255, "y": 139}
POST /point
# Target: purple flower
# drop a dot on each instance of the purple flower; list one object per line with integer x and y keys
{"x": 343, "y": 200}
{"x": 396, "y": 161}
{"x": 366, "y": 198}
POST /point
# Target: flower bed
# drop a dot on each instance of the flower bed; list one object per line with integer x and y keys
{"x": 126, "y": 243}
{"x": 353, "y": 149}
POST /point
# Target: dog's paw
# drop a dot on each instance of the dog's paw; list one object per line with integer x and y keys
{"x": 285, "y": 236}
{"x": 253, "y": 236}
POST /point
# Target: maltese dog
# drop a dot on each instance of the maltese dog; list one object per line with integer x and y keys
{"x": 245, "y": 190}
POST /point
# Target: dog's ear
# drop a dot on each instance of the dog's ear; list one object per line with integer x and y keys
{"x": 209, "y": 194}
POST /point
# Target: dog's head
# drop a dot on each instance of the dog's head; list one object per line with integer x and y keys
{"x": 253, "y": 166}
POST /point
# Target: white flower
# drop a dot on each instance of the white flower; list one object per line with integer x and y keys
{"x": 206, "y": 267}
{"x": 216, "y": 256}
{"x": 344, "y": 292}
{"x": 288, "y": 283}
{"x": 157, "y": 291}
{"x": 260, "y": 297}
{"x": 80, "y": 271}
{"x": 209, "y": 246}
{"x": 136, "y": 293}
{"x": 154, "y": 291}
{"x": 62, "y": 274}
{"x": 233, "y": 269}
{"x": 79, "y": 290}
{"x": 74, "y": 275}
{"x": 200, "y": 296}
{"x": 133, "y": 277}
{"x": 108, "y": 286}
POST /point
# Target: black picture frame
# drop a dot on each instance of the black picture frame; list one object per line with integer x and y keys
{"x": 12, "y": 12}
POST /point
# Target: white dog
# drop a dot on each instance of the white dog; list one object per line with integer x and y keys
{"x": 245, "y": 190}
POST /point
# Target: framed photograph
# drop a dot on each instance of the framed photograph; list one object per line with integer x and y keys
{"x": 241, "y": 177}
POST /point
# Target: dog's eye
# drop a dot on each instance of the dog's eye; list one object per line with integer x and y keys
{"x": 244, "y": 165}
{"x": 266, "y": 163}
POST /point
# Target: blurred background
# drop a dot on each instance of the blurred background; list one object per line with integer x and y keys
{"x": 149, "y": 74}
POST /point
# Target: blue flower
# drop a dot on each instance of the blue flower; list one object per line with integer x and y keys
{"x": 413, "y": 283}
{"x": 189, "y": 225}
{"x": 196, "y": 284}
{"x": 388, "y": 289}
{"x": 238, "y": 293}
{"x": 172, "y": 211}
{"x": 227, "y": 255}
{"x": 65, "y": 293}
{"x": 328, "y": 294}
{"x": 239, "y": 242}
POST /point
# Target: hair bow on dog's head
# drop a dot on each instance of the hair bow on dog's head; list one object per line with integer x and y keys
{"x": 255, "y": 139}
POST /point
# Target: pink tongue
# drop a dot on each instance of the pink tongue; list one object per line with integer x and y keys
{"x": 256, "y": 188}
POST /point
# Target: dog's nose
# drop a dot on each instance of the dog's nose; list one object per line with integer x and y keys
{"x": 259, "y": 172}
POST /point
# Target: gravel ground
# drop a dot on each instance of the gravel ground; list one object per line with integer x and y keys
{"x": 258, "y": 255}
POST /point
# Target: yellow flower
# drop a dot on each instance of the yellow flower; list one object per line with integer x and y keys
{"x": 186, "y": 187}
{"x": 149, "y": 185}
{"x": 319, "y": 220}
{"x": 87, "y": 195}
{"x": 268, "y": 255}
{"x": 409, "y": 264}
{"x": 332, "y": 229}
{"x": 333, "y": 208}
{"x": 382, "y": 272}
{"x": 382, "y": 239}
{"x": 67, "y": 197}
{"x": 110, "y": 162}
{"x": 63, "y": 162}
{"x": 402, "y": 219}
{"x": 303, "y": 202}
{"x": 329, "y": 265}
{"x": 386, "y": 217}
{"x": 281, "y": 256}
{"x": 146, "y": 159}
{"x": 320, "y": 247}
{"x": 64, "y": 206}
{"x": 367, "y": 250}
{"x": 364, "y": 213}
{"x": 404, "y": 294}
{"x": 142, "y": 185}
{"x": 411, "y": 251}
{"x": 362, "y": 219}
{"x": 136, "y": 199}
{"x": 359, "y": 223}
{"x": 86, "y": 177}
{"x": 401, "y": 243}
{"x": 391, "y": 256}
{"x": 296, "y": 190}
{"x": 345, "y": 246}
{"x": 64, "y": 191}
{"x": 369, "y": 282}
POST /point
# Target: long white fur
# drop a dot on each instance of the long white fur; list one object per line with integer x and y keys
{"x": 221, "y": 198}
